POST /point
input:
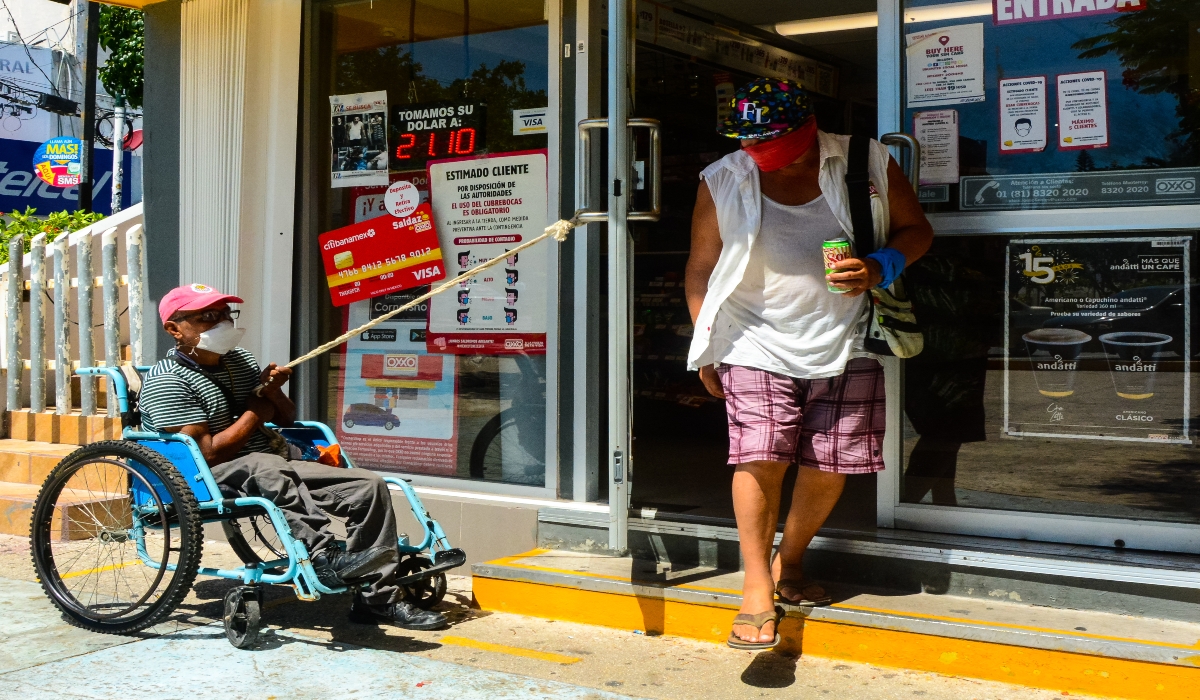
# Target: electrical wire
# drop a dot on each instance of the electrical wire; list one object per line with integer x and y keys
{"x": 17, "y": 29}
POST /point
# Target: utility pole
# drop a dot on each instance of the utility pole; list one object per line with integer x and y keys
{"x": 89, "y": 104}
{"x": 118, "y": 139}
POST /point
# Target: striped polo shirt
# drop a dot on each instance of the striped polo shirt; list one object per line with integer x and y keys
{"x": 173, "y": 396}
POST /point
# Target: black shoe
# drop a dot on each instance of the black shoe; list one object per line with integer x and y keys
{"x": 336, "y": 568}
{"x": 401, "y": 614}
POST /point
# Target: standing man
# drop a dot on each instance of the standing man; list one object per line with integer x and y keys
{"x": 784, "y": 351}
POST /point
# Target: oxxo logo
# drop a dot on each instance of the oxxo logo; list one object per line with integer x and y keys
{"x": 399, "y": 364}
{"x": 751, "y": 110}
{"x": 1175, "y": 185}
{"x": 514, "y": 344}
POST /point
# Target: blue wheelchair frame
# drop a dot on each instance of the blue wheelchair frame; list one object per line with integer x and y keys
{"x": 183, "y": 452}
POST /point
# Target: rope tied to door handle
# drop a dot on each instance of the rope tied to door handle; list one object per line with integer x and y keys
{"x": 557, "y": 230}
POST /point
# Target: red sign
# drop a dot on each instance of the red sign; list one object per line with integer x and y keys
{"x": 381, "y": 255}
{"x": 1016, "y": 11}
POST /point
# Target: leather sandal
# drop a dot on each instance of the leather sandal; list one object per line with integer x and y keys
{"x": 805, "y": 600}
{"x": 756, "y": 621}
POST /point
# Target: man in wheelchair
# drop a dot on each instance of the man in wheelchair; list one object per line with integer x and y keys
{"x": 205, "y": 389}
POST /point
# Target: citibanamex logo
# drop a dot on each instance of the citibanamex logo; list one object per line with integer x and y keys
{"x": 1175, "y": 185}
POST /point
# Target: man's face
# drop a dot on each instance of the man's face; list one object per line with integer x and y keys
{"x": 1023, "y": 128}
{"x": 188, "y": 325}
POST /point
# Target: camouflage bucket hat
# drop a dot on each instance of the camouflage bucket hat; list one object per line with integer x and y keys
{"x": 766, "y": 107}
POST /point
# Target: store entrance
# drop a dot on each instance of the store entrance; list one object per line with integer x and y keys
{"x": 687, "y": 64}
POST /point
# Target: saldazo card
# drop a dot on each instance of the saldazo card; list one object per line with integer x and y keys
{"x": 382, "y": 255}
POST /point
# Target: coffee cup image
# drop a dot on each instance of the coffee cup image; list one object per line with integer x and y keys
{"x": 1134, "y": 368}
{"x": 1054, "y": 354}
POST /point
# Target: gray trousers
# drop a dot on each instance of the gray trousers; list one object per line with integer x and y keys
{"x": 306, "y": 491}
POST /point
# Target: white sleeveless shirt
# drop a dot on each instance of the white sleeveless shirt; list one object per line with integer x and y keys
{"x": 734, "y": 184}
{"x": 782, "y": 317}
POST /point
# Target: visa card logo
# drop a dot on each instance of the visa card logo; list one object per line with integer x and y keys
{"x": 529, "y": 121}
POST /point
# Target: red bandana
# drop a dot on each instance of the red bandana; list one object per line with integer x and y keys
{"x": 784, "y": 150}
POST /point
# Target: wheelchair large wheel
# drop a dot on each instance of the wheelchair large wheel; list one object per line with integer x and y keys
{"x": 116, "y": 537}
{"x": 254, "y": 540}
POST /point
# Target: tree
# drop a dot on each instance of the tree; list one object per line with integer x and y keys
{"x": 1154, "y": 46}
{"x": 1084, "y": 162}
{"x": 122, "y": 34}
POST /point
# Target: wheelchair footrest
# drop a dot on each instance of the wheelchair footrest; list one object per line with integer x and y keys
{"x": 442, "y": 561}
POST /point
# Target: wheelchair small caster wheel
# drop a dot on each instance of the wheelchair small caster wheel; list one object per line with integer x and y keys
{"x": 424, "y": 594}
{"x": 243, "y": 606}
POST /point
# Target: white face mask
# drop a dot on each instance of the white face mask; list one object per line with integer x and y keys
{"x": 221, "y": 338}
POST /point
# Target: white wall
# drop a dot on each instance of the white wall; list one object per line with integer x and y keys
{"x": 238, "y": 100}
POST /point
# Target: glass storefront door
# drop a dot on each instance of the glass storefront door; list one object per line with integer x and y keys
{"x": 1060, "y": 149}
{"x": 688, "y": 59}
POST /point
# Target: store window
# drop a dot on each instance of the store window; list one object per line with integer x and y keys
{"x": 1049, "y": 104}
{"x": 435, "y": 111}
{"x": 1056, "y": 375}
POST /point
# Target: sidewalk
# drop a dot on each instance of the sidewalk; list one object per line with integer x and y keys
{"x": 312, "y": 651}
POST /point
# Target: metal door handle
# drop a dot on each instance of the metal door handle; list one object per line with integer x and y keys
{"x": 655, "y": 176}
{"x": 583, "y": 170}
{"x": 903, "y": 140}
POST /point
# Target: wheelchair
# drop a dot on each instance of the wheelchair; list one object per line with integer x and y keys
{"x": 117, "y": 530}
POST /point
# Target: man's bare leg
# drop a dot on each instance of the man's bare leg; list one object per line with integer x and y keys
{"x": 815, "y": 495}
{"x": 756, "y": 490}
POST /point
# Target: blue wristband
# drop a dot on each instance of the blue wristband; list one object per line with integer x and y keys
{"x": 891, "y": 263}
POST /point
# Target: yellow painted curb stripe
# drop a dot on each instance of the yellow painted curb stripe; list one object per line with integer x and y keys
{"x": 1014, "y": 626}
{"x": 512, "y": 651}
{"x": 101, "y": 569}
{"x": 513, "y": 562}
{"x": 1039, "y": 668}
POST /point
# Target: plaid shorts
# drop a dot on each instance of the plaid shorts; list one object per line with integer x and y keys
{"x": 834, "y": 424}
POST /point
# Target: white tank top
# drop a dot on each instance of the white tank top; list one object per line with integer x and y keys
{"x": 781, "y": 317}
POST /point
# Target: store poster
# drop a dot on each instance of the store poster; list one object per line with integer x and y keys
{"x": 59, "y": 161}
{"x": 945, "y": 66}
{"x": 358, "y": 139}
{"x": 388, "y": 253}
{"x": 1077, "y": 190}
{"x": 1082, "y": 111}
{"x": 397, "y": 404}
{"x": 937, "y": 132}
{"x": 368, "y": 202}
{"x": 1098, "y": 335}
{"x": 483, "y": 207}
{"x": 1023, "y": 114}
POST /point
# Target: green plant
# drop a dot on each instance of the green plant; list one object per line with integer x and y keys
{"x": 122, "y": 34}
{"x": 26, "y": 225}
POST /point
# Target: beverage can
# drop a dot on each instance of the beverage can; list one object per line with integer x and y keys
{"x": 834, "y": 251}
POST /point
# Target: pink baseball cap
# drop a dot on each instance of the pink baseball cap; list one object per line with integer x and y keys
{"x": 192, "y": 297}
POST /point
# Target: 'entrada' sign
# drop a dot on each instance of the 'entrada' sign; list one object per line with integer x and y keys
{"x": 1014, "y": 11}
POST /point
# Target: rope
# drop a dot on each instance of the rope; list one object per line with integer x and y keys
{"x": 557, "y": 230}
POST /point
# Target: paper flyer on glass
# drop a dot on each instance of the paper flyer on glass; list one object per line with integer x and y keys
{"x": 937, "y": 132}
{"x": 358, "y": 139}
{"x": 483, "y": 207}
{"x": 1023, "y": 114}
{"x": 945, "y": 66}
{"x": 1082, "y": 111}
{"x": 396, "y": 404}
{"x": 1098, "y": 336}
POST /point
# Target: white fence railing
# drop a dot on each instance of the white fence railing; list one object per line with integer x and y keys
{"x": 37, "y": 349}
